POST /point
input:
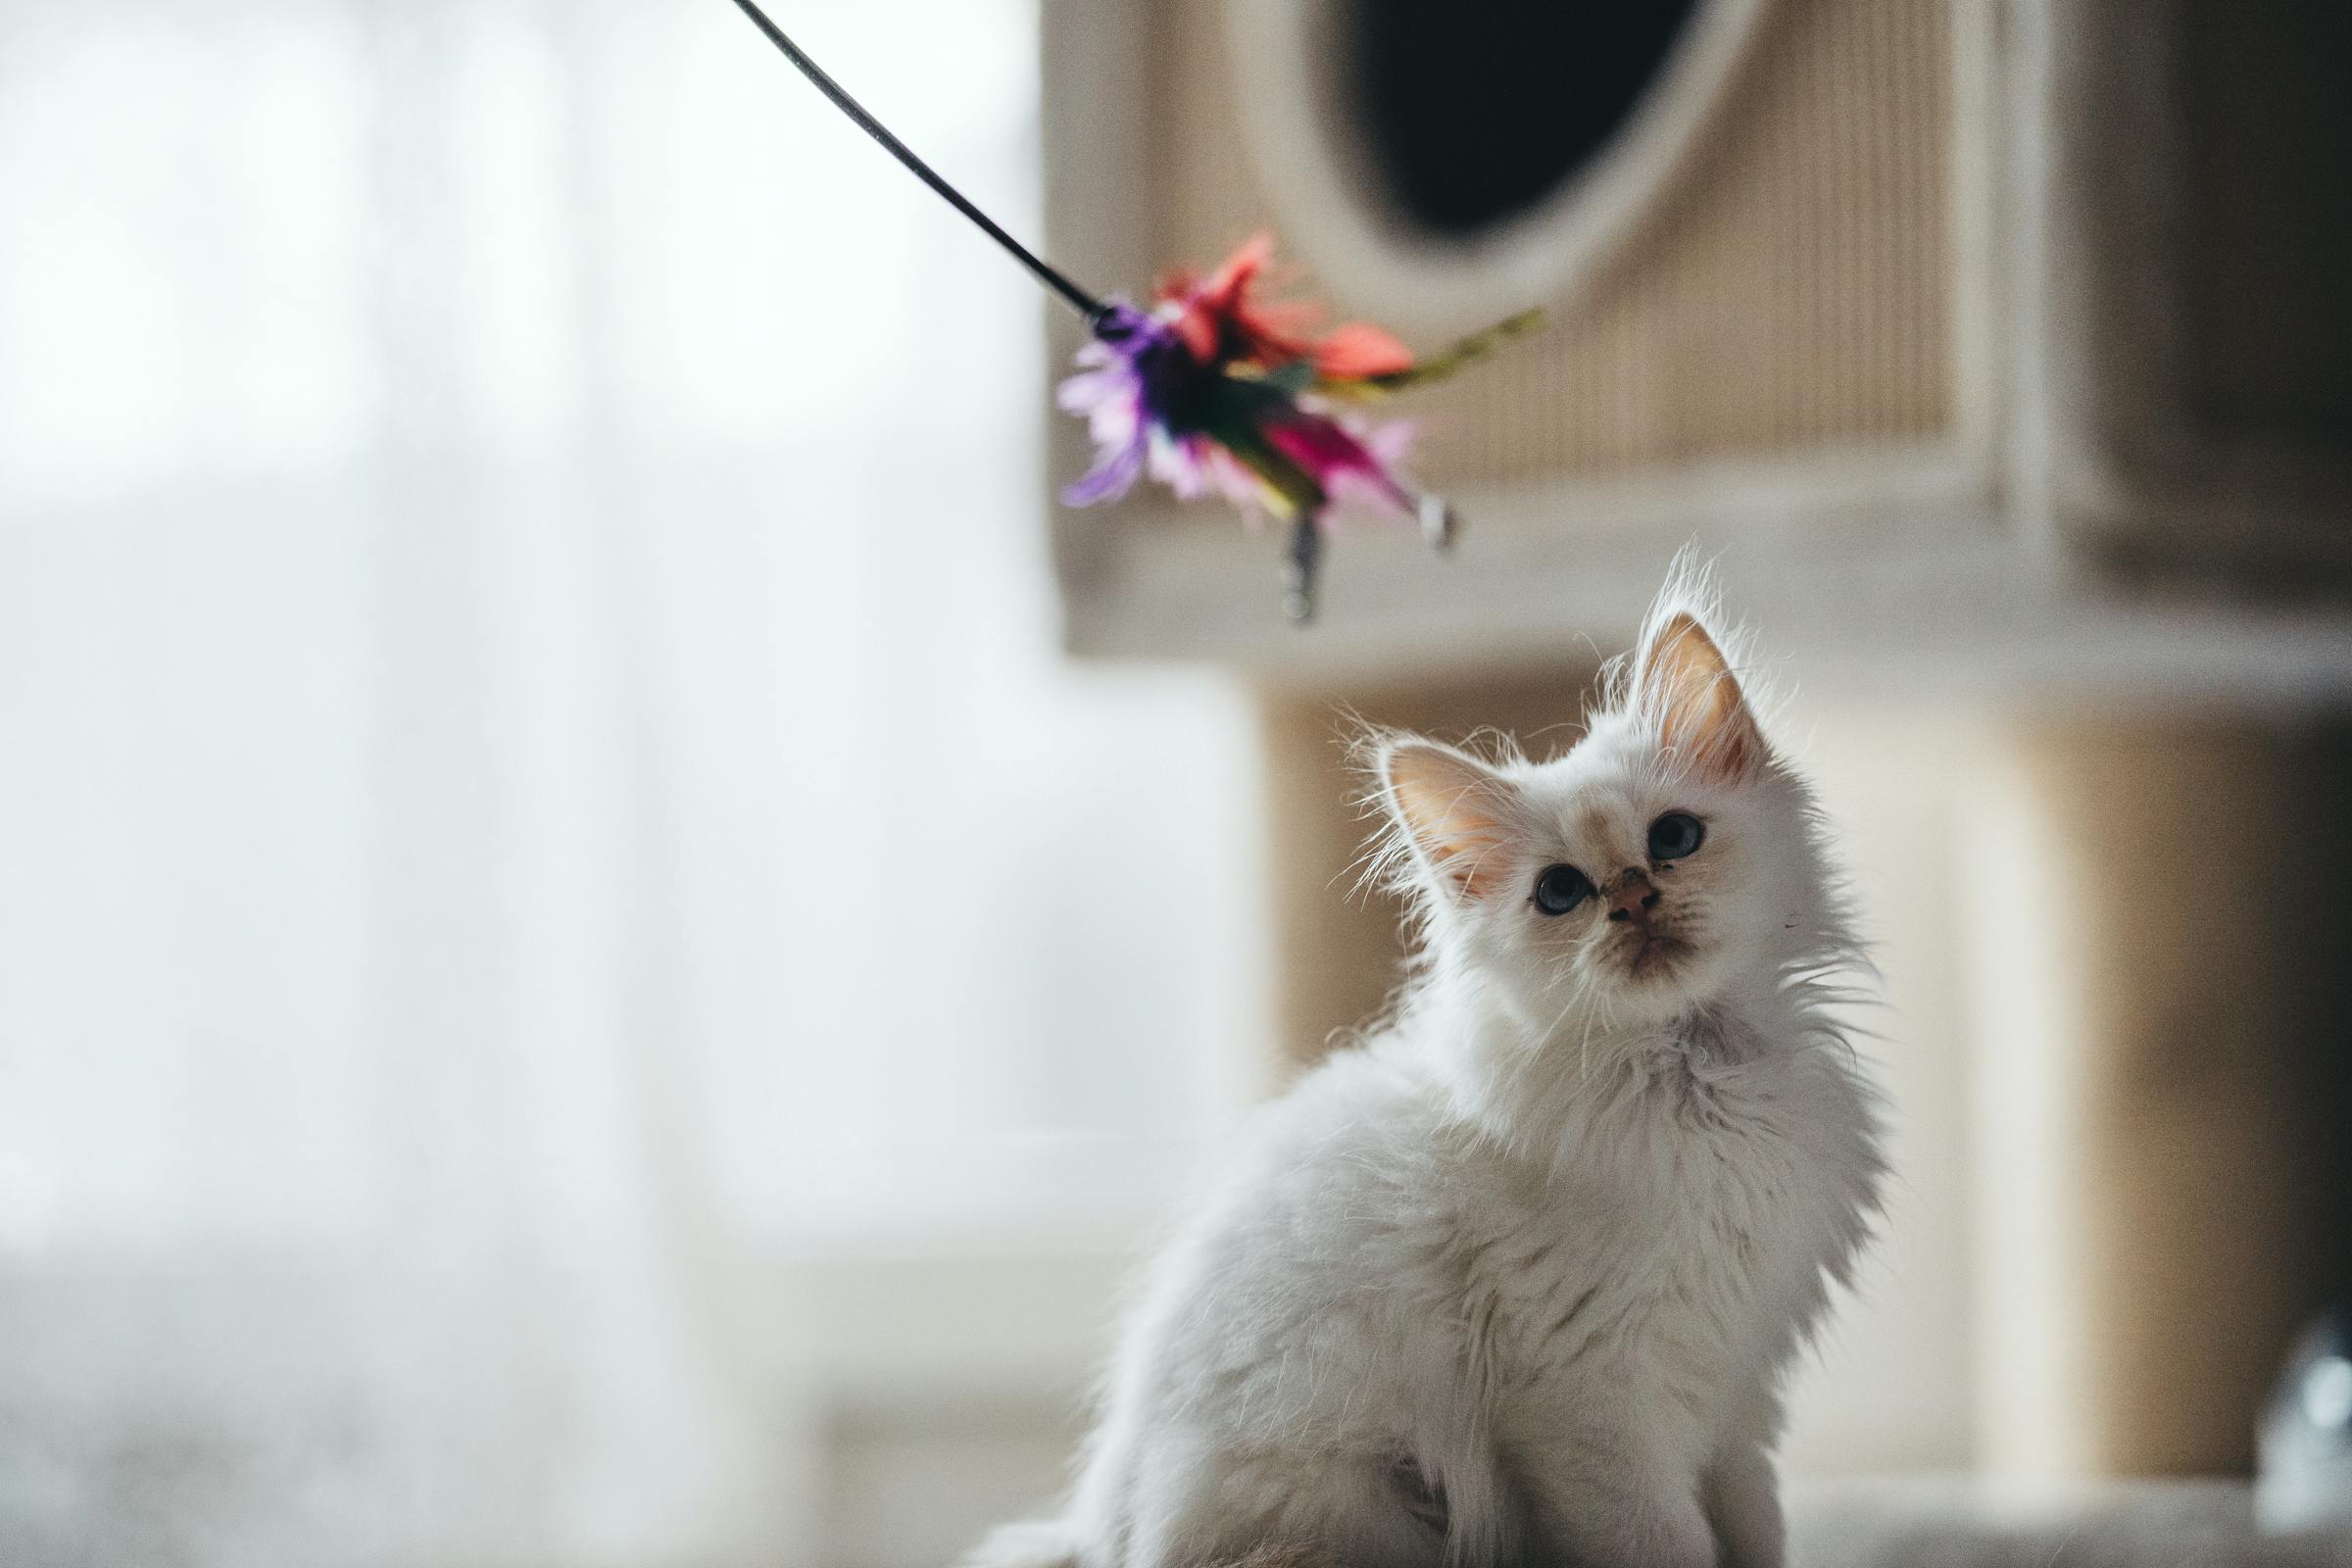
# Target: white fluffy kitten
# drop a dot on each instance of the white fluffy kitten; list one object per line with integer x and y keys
{"x": 1515, "y": 1282}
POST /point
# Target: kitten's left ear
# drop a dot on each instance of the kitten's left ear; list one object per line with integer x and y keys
{"x": 1687, "y": 687}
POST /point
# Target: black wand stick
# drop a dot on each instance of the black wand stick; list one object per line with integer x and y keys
{"x": 1086, "y": 305}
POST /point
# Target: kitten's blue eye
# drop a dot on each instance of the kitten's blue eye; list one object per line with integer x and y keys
{"x": 1562, "y": 888}
{"x": 1675, "y": 835}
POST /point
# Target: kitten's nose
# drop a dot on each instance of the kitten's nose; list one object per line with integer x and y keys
{"x": 1633, "y": 897}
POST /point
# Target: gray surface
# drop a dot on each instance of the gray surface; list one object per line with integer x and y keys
{"x": 1958, "y": 1524}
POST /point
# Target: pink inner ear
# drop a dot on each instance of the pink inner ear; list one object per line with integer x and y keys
{"x": 1451, "y": 808}
{"x": 1703, "y": 715}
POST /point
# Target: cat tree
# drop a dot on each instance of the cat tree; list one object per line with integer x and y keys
{"x": 1997, "y": 349}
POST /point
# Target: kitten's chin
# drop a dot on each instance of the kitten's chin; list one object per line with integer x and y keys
{"x": 1655, "y": 959}
{"x": 1654, "y": 975}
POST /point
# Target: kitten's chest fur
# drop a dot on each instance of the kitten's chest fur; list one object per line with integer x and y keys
{"x": 1676, "y": 1243}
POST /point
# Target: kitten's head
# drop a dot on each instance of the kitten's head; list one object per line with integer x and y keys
{"x": 1663, "y": 863}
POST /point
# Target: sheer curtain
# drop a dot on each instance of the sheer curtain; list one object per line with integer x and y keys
{"x": 533, "y": 769}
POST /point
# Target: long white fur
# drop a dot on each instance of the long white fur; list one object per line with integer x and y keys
{"x": 1515, "y": 1281}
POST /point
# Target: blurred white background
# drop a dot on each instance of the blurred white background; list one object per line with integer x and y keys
{"x": 538, "y": 805}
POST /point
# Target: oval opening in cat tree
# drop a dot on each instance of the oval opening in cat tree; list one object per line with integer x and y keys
{"x": 1441, "y": 164}
{"x": 1474, "y": 112}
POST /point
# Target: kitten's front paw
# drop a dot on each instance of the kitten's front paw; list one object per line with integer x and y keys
{"x": 1681, "y": 1541}
{"x": 1610, "y": 1533}
{"x": 1744, "y": 1503}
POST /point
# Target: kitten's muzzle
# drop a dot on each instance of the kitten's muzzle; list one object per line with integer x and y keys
{"x": 1631, "y": 898}
{"x": 1648, "y": 948}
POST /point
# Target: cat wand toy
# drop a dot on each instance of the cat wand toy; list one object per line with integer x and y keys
{"x": 1211, "y": 391}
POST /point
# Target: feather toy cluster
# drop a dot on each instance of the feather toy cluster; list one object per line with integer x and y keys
{"x": 1214, "y": 391}
{"x": 1211, "y": 391}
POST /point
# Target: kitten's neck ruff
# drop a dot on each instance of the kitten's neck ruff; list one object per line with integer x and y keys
{"x": 1567, "y": 1090}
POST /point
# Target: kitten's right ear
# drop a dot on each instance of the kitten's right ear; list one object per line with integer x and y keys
{"x": 1453, "y": 811}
